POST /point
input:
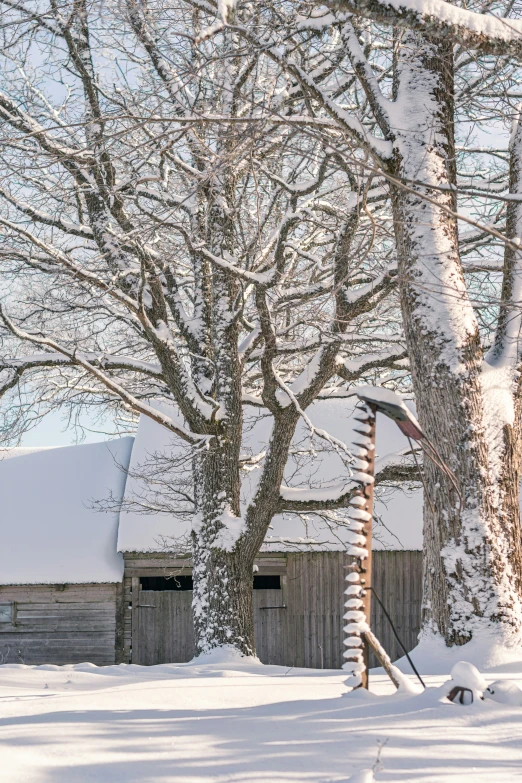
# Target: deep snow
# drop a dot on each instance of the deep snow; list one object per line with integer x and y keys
{"x": 238, "y": 721}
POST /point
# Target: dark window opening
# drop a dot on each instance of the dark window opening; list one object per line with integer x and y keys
{"x": 265, "y": 582}
{"x": 183, "y": 582}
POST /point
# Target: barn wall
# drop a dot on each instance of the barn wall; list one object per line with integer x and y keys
{"x": 300, "y": 625}
{"x": 61, "y": 624}
{"x": 315, "y": 586}
{"x": 397, "y": 579}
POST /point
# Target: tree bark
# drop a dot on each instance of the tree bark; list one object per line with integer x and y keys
{"x": 222, "y": 600}
{"x": 472, "y": 560}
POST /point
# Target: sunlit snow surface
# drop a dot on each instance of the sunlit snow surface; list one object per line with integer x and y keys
{"x": 237, "y": 721}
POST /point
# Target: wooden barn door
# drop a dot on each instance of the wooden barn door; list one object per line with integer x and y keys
{"x": 269, "y": 625}
{"x": 163, "y": 631}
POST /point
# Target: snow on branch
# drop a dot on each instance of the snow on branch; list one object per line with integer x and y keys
{"x": 483, "y": 32}
{"x": 101, "y": 360}
{"x": 306, "y": 498}
{"x": 131, "y": 400}
{"x": 394, "y": 469}
{"x": 41, "y": 217}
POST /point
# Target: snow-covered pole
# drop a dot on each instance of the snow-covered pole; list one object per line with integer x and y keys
{"x": 359, "y": 553}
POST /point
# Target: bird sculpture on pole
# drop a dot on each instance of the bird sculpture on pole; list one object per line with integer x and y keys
{"x": 358, "y": 637}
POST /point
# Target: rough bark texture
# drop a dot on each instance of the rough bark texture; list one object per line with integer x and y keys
{"x": 472, "y": 552}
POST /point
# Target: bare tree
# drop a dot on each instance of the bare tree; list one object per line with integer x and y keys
{"x": 178, "y": 228}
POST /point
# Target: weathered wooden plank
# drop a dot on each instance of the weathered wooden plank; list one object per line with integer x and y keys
{"x": 309, "y": 631}
{"x": 84, "y": 594}
{"x": 60, "y": 624}
{"x": 398, "y": 581}
{"x": 135, "y": 642}
{"x": 63, "y": 610}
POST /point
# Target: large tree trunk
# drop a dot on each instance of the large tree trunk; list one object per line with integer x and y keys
{"x": 223, "y": 572}
{"x": 472, "y": 548}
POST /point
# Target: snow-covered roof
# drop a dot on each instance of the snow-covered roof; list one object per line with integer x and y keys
{"x": 51, "y": 529}
{"x": 401, "y": 513}
{"x": 8, "y": 452}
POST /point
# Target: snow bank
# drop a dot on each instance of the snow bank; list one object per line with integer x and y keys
{"x": 51, "y": 533}
{"x": 431, "y": 656}
{"x": 225, "y": 655}
{"x": 213, "y": 723}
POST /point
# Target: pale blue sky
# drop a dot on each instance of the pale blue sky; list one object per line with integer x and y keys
{"x": 53, "y": 431}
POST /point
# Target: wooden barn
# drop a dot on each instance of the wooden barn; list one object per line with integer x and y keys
{"x": 60, "y": 572}
{"x": 78, "y": 584}
{"x": 298, "y": 606}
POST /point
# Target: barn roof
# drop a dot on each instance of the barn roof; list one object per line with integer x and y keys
{"x": 54, "y": 529}
{"x": 51, "y": 529}
{"x": 401, "y": 512}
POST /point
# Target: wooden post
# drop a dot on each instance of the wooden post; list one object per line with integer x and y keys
{"x": 359, "y": 553}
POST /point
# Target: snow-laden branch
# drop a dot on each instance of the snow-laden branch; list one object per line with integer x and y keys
{"x": 380, "y": 105}
{"x": 57, "y": 257}
{"x": 102, "y": 360}
{"x": 482, "y": 32}
{"x": 78, "y": 358}
{"x": 353, "y": 368}
{"x": 42, "y": 217}
{"x": 393, "y": 470}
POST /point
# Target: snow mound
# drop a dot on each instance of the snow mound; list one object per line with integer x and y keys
{"x": 431, "y": 656}
{"x": 364, "y": 776}
{"x": 227, "y": 655}
{"x": 504, "y": 692}
{"x": 465, "y": 675}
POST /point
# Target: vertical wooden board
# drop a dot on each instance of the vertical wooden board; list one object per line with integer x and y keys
{"x": 127, "y": 620}
{"x": 305, "y": 593}
{"x": 284, "y": 620}
{"x": 289, "y": 618}
{"x": 398, "y": 581}
{"x": 166, "y": 632}
{"x": 147, "y": 626}
{"x": 259, "y": 630}
{"x": 335, "y": 660}
{"x": 119, "y": 635}
{"x": 295, "y": 610}
{"x": 135, "y": 599}
{"x": 333, "y": 635}
{"x": 269, "y": 625}
{"x": 341, "y": 577}
{"x": 416, "y": 592}
{"x": 187, "y": 637}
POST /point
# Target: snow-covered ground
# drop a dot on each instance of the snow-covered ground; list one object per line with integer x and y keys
{"x": 242, "y": 721}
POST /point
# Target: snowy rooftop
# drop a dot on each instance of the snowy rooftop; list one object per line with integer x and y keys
{"x": 51, "y": 531}
{"x": 401, "y": 513}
